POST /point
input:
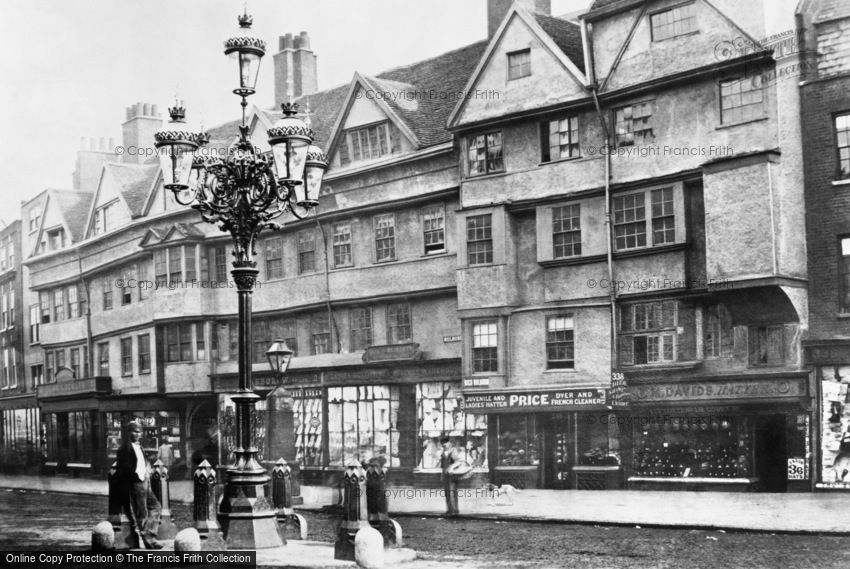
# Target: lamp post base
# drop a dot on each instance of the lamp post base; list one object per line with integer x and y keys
{"x": 248, "y": 517}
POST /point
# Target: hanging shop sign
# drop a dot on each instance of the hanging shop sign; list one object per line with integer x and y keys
{"x": 553, "y": 399}
{"x": 619, "y": 396}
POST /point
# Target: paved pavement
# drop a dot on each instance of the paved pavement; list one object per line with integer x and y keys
{"x": 803, "y": 512}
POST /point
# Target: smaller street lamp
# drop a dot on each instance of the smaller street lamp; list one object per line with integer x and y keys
{"x": 279, "y": 356}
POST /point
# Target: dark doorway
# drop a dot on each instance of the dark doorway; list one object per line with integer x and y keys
{"x": 771, "y": 453}
{"x": 558, "y": 450}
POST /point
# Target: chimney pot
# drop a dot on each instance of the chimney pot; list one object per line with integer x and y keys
{"x": 82, "y": 143}
{"x": 287, "y": 41}
{"x": 155, "y": 110}
{"x": 92, "y": 143}
{"x": 147, "y": 109}
{"x": 305, "y": 41}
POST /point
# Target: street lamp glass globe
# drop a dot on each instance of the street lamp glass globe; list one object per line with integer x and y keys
{"x": 279, "y": 356}
{"x": 290, "y": 138}
{"x": 307, "y": 195}
{"x": 247, "y": 49}
{"x": 176, "y": 147}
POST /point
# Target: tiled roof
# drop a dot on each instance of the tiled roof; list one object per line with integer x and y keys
{"x": 74, "y": 206}
{"x": 566, "y": 35}
{"x": 134, "y": 183}
{"x": 607, "y": 6}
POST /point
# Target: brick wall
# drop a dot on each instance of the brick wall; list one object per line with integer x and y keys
{"x": 827, "y": 205}
{"x": 833, "y": 41}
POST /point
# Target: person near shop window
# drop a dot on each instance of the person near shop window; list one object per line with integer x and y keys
{"x": 133, "y": 478}
{"x": 453, "y": 467}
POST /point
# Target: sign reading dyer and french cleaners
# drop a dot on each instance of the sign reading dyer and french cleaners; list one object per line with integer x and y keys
{"x": 554, "y": 399}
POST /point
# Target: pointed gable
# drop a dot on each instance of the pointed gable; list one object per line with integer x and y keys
{"x": 556, "y": 63}
{"x": 109, "y": 208}
{"x": 134, "y": 183}
{"x": 63, "y": 210}
{"x": 627, "y": 55}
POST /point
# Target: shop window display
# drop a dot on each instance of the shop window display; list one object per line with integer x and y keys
{"x": 362, "y": 424}
{"x": 835, "y": 452}
{"x": 158, "y": 427}
{"x": 712, "y": 447}
{"x": 440, "y": 414}
{"x": 518, "y": 440}
{"x": 307, "y": 409}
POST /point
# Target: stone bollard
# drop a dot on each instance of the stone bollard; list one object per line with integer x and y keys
{"x": 126, "y": 536}
{"x": 103, "y": 537}
{"x": 187, "y": 540}
{"x": 205, "y": 502}
{"x": 282, "y": 499}
{"x": 376, "y": 502}
{"x": 160, "y": 488}
{"x": 369, "y": 548}
{"x": 353, "y": 511}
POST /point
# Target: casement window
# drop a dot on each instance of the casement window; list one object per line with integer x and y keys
{"x": 7, "y": 304}
{"x": 106, "y": 292}
{"x": 144, "y": 276}
{"x": 178, "y": 342}
{"x": 484, "y": 154}
{"x": 384, "y": 237}
{"x": 175, "y": 264}
{"x": 220, "y": 264}
{"x": 342, "y": 244}
{"x": 767, "y": 345}
{"x": 648, "y": 333}
{"x": 674, "y": 22}
{"x": 663, "y": 218}
{"x": 44, "y": 305}
{"x": 632, "y": 225}
{"x": 75, "y": 362}
{"x": 261, "y": 336}
{"x": 399, "y": 328}
{"x": 58, "y": 305}
{"x": 49, "y": 363}
{"x": 842, "y": 144}
{"x": 320, "y": 333}
{"x": 128, "y": 277}
{"x": 35, "y": 219}
{"x": 105, "y": 218}
{"x": 844, "y": 274}
{"x": 274, "y": 258}
{"x": 479, "y": 239}
{"x": 630, "y": 221}
{"x": 160, "y": 266}
{"x": 369, "y": 142}
{"x": 718, "y": 338}
{"x": 519, "y": 64}
{"x": 633, "y": 124}
{"x": 60, "y": 359}
{"x": 560, "y": 343}
{"x": 741, "y": 99}
{"x": 56, "y": 239}
{"x": 285, "y": 330}
{"x": 566, "y": 231}
{"x": 434, "y": 229}
{"x": 559, "y": 139}
{"x": 35, "y": 322}
{"x": 126, "y": 356}
{"x": 37, "y": 373}
{"x": 306, "y": 252}
{"x": 361, "y": 328}
{"x": 191, "y": 263}
{"x": 485, "y": 347}
{"x": 103, "y": 359}
{"x": 72, "y": 293}
{"x": 144, "y": 357}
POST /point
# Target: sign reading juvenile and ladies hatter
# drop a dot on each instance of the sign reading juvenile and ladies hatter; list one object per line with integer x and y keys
{"x": 563, "y": 399}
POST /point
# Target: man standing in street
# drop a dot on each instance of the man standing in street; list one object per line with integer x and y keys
{"x": 449, "y": 461}
{"x": 137, "y": 499}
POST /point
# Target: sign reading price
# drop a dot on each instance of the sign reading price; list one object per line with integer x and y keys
{"x": 796, "y": 469}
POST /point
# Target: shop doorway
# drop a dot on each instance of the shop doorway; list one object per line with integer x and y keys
{"x": 557, "y": 451}
{"x": 771, "y": 453}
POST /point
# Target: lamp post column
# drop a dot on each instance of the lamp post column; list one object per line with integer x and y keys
{"x": 248, "y": 515}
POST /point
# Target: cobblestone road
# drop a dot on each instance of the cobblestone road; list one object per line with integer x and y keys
{"x": 37, "y": 521}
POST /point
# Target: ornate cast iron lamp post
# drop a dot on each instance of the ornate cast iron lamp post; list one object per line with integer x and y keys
{"x": 242, "y": 193}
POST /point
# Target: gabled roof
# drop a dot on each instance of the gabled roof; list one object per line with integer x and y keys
{"x": 73, "y": 207}
{"x": 152, "y": 237}
{"x": 183, "y": 231}
{"x": 566, "y": 35}
{"x": 602, "y": 8}
{"x": 134, "y": 182}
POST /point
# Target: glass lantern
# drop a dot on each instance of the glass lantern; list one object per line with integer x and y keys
{"x": 176, "y": 147}
{"x": 247, "y": 49}
{"x": 290, "y": 138}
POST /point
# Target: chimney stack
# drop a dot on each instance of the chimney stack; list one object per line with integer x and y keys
{"x": 498, "y": 9}
{"x": 142, "y": 121}
{"x": 91, "y": 156}
{"x": 294, "y": 68}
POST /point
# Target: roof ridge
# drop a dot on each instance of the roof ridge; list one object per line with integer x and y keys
{"x": 427, "y": 59}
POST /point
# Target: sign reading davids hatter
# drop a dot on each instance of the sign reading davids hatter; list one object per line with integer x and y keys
{"x": 733, "y": 389}
{"x": 561, "y": 399}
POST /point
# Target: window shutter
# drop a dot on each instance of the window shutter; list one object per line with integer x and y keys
{"x": 544, "y": 142}
{"x": 344, "y": 157}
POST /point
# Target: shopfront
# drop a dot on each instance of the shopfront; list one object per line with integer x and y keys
{"x": 722, "y": 434}
{"x": 550, "y": 438}
{"x": 22, "y": 436}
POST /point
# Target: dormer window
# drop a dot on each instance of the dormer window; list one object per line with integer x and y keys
{"x": 370, "y": 142}
{"x": 677, "y": 21}
{"x": 519, "y": 64}
{"x": 104, "y": 218}
{"x": 56, "y": 239}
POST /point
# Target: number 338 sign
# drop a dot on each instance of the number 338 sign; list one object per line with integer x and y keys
{"x": 796, "y": 469}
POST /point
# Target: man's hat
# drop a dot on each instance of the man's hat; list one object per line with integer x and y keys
{"x": 135, "y": 426}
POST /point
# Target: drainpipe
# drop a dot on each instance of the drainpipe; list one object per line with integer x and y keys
{"x": 593, "y": 86}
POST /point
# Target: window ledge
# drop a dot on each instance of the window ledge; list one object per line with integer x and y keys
{"x": 486, "y": 176}
{"x": 577, "y": 260}
{"x": 560, "y": 370}
{"x": 434, "y": 254}
{"x": 650, "y": 250}
{"x": 844, "y": 182}
{"x": 570, "y": 159}
{"x": 740, "y": 123}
